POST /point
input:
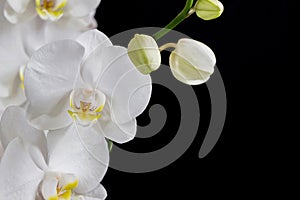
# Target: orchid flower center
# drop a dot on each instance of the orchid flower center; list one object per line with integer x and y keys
{"x": 86, "y": 105}
{"x": 58, "y": 186}
{"x": 21, "y": 76}
{"x": 50, "y": 9}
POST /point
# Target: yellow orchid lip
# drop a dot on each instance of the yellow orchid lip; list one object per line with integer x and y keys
{"x": 49, "y": 10}
{"x": 21, "y": 76}
{"x": 86, "y": 105}
{"x": 63, "y": 184}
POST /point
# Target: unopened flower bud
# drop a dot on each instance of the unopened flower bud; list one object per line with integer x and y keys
{"x": 192, "y": 62}
{"x": 209, "y": 9}
{"x": 144, "y": 53}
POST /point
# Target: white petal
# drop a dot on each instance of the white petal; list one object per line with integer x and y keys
{"x": 33, "y": 35}
{"x": 49, "y": 79}
{"x": 110, "y": 69}
{"x": 1, "y": 150}
{"x": 1, "y": 146}
{"x": 16, "y": 95}
{"x": 56, "y": 118}
{"x": 192, "y": 62}
{"x": 18, "y": 5}
{"x": 130, "y": 96}
{"x": 80, "y": 151}
{"x": 97, "y": 62}
{"x": 38, "y": 157}
{"x": 114, "y": 131}
{"x": 49, "y": 186}
{"x": 19, "y": 176}
{"x": 14, "y": 124}
{"x": 14, "y": 17}
{"x": 68, "y": 181}
{"x": 9, "y": 76}
{"x": 67, "y": 28}
{"x": 11, "y": 59}
{"x": 92, "y": 39}
{"x": 79, "y": 8}
{"x": 99, "y": 193}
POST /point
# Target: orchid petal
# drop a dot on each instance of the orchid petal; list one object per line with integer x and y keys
{"x": 92, "y": 39}
{"x": 11, "y": 59}
{"x": 49, "y": 187}
{"x": 111, "y": 71}
{"x": 14, "y": 17}
{"x": 130, "y": 96}
{"x": 49, "y": 79}
{"x": 79, "y": 8}
{"x": 68, "y": 181}
{"x": 33, "y": 35}
{"x": 19, "y": 176}
{"x": 9, "y": 130}
{"x": 18, "y": 5}
{"x": 1, "y": 150}
{"x": 114, "y": 131}
{"x": 99, "y": 193}
{"x": 81, "y": 151}
{"x": 97, "y": 62}
{"x": 68, "y": 28}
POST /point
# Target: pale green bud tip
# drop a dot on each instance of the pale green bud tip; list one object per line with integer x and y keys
{"x": 209, "y": 9}
{"x": 144, "y": 53}
{"x": 192, "y": 62}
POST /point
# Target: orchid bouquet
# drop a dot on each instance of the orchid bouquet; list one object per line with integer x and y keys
{"x": 67, "y": 93}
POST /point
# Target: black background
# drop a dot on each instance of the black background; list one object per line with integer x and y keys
{"x": 250, "y": 42}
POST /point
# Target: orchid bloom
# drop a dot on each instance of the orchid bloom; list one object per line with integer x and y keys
{"x": 17, "y": 11}
{"x": 17, "y": 44}
{"x": 65, "y": 164}
{"x": 88, "y": 80}
{"x": 50, "y": 20}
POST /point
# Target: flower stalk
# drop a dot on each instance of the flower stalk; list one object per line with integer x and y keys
{"x": 177, "y": 20}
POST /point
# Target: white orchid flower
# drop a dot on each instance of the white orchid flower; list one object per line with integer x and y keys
{"x": 89, "y": 80}
{"x": 50, "y": 20}
{"x": 17, "y": 43}
{"x": 67, "y": 164}
{"x": 17, "y": 11}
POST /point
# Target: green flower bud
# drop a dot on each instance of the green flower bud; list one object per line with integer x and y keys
{"x": 209, "y": 9}
{"x": 144, "y": 53}
{"x": 192, "y": 62}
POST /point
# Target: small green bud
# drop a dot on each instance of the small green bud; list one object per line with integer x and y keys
{"x": 144, "y": 53}
{"x": 209, "y": 9}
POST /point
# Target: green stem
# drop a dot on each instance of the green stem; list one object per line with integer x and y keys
{"x": 177, "y": 20}
{"x": 110, "y": 145}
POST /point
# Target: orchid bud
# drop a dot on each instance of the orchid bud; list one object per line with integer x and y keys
{"x": 144, "y": 53}
{"x": 209, "y": 9}
{"x": 192, "y": 62}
